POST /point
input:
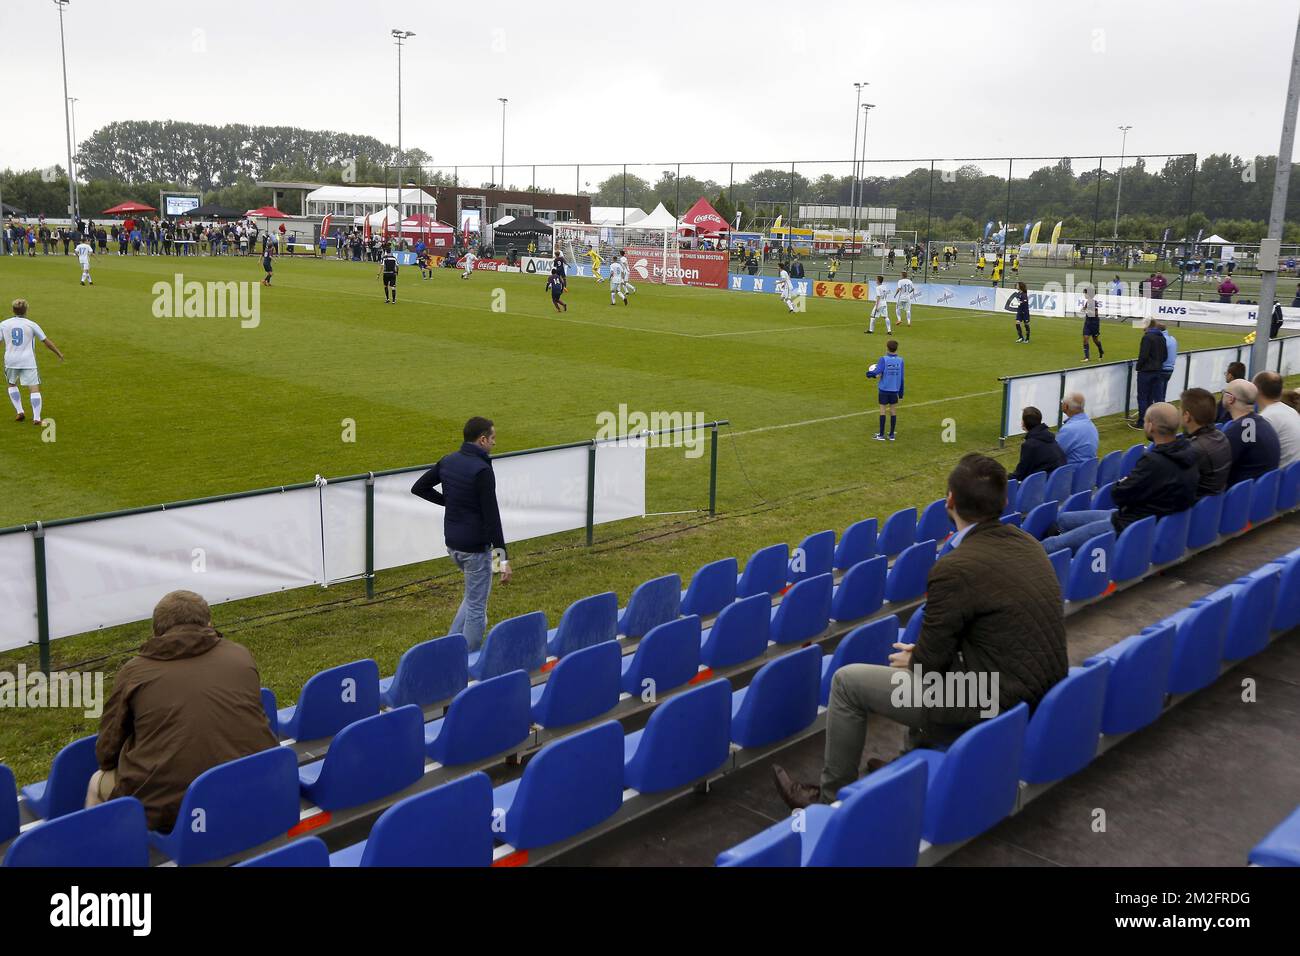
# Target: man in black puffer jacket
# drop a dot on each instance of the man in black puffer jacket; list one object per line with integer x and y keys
{"x": 1039, "y": 452}
{"x": 1163, "y": 481}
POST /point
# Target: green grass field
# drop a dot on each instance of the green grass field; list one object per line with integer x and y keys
{"x": 153, "y": 409}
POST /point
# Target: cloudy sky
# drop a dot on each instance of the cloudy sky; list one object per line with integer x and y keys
{"x": 667, "y": 81}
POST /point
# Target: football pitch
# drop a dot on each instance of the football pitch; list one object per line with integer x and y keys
{"x": 149, "y": 409}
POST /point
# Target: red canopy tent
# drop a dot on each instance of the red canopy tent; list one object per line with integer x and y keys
{"x": 123, "y": 208}
{"x": 704, "y": 219}
{"x": 267, "y": 212}
{"x": 436, "y": 235}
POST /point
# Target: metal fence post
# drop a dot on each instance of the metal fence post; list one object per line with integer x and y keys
{"x": 370, "y": 536}
{"x": 713, "y": 470}
{"x": 42, "y": 600}
{"x": 591, "y": 492}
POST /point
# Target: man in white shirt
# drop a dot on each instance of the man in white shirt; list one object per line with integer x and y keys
{"x": 617, "y": 281}
{"x": 83, "y": 252}
{"x": 904, "y": 293}
{"x": 880, "y": 310}
{"x": 20, "y": 336}
{"x": 627, "y": 272}
{"x": 785, "y": 286}
{"x": 1284, "y": 419}
{"x": 470, "y": 259}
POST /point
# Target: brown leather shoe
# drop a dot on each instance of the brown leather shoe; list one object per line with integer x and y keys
{"x": 795, "y": 794}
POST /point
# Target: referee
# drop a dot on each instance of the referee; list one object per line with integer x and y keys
{"x": 388, "y": 272}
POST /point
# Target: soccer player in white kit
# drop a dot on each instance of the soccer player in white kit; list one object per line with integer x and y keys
{"x": 617, "y": 281}
{"x": 881, "y": 309}
{"x": 83, "y": 252}
{"x": 470, "y": 259}
{"x": 904, "y": 293}
{"x": 785, "y": 286}
{"x": 627, "y": 272}
{"x": 21, "y": 335}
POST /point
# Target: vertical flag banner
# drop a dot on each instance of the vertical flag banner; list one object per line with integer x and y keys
{"x": 1025, "y": 237}
{"x": 1033, "y": 235}
{"x": 1056, "y": 232}
{"x": 988, "y": 227}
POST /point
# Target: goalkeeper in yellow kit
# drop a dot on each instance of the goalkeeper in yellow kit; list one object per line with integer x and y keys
{"x": 595, "y": 263}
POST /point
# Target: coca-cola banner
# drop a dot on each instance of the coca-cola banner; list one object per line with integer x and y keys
{"x": 693, "y": 267}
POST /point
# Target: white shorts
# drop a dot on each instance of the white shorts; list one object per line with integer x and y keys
{"x": 26, "y": 377}
{"x": 881, "y": 308}
{"x": 85, "y": 265}
{"x": 900, "y": 307}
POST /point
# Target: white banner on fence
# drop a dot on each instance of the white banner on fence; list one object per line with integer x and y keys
{"x": 17, "y": 591}
{"x": 103, "y": 573}
{"x": 344, "y": 505}
{"x": 620, "y": 480}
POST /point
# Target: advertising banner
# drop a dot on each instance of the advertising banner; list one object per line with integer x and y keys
{"x": 17, "y": 591}
{"x": 693, "y": 267}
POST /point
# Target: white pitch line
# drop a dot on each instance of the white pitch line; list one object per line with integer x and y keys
{"x": 868, "y": 411}
{"x": 792, "y": 328}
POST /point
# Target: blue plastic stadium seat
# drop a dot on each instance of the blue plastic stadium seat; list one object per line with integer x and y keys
{"x": 764, "y": 572}
{"x": 879, "y": 824}
{"x": 1130, "y": 459}
{"x": 369, "y": 759}
{"x": 1032, "y": 490}
{"x": 934, "y": 522}
{"x": 973, "y": 784}
{"x": 1287, "y": 613}
{"x": 804, "y": 612}
{"x": 777, "y": 846}
{"x": 111, "y": 834}
{"x": 1288, "y": 492}
{"x": 307, "y": 852}
{"x": 1236, "y": 507}
{"x": 815, "y": 555}
{"x": 781, "y": 699}
{"x": 712, "y": 588}
{"x": 8, "y": 805}
{"x": 1198, "y": 642}
{"x": 484, "y": 719}
{"x": 1250, "y": 623}
{"x": 1135, "y": 691}
{"x": 898, "y": 533}
{"x": 909, "y": 634}
{"x": 871, "y": 643}
{"x": 1013, "y": 491}
{"x": 428, "y": 673}
{"x": 330, "y": 700}
{"x": 515, "y": 644}
{"x": 1133, "y": 550}
{"x": 910, "y": 574}
{"x": 861, "y": 591}
{"x": 65, "y": 790}
{"x": 583, "y": 685}
{"x": 585, "y": 622}
{"x": 739, "y": 633}
{"x": 1171, "y": 537}
{"x": 1038, "y": 521}
{"x": 1203, "y": 529}
{"x": 571, "y": 785}
{"x": 1063, "y": 734}
{"x": 449, "y": 825}
{"x": 857, "y": 544}
{"x": 667, "y": 657}
{"x": 687, "y": 738}
{"x": 1104, "y": 498}
{"x": 1282, "y": 845}
{"x": 1013, "y": 518}
{"x": 1060, "y": 483}
{"x": 1108, "y": 469}
{"x": 652, "y": 603}
{"x": 1090, "y": 568}
{"x": 1085, "y": 476}
{"x": 1263, "y": 499}
{"x": 1079, "y": 501}
{"x": 234, "y": 806}
{"x": 1061, "y": 565}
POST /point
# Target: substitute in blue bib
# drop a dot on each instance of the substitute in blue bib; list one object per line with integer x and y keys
{"x": 889, "y": 372}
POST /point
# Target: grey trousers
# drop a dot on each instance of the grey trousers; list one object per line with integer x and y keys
{"x": 861, "y": 689}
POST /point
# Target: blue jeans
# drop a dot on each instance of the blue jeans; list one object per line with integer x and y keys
{"x": 1148, "y": 391}
{"x": 471, "y": 618}
{"x": 1077, "y": 528}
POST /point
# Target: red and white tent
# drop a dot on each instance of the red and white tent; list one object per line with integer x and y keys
{"x": 704, "y": 220}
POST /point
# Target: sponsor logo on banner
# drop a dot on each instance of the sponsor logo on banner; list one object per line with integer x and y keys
{"x": 854, "y": 291}
{"x": 706, "y": 269}
{"x": 491, "y": 265}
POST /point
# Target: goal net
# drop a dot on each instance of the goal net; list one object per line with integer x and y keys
{"x": 653, "y": 255}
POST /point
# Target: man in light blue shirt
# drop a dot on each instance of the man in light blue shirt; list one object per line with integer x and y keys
{"x": 1077, "y": 435}
{"x": 1171, "y": 356}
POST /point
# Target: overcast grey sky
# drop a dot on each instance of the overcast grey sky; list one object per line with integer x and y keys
{"x": 667, "y": 81}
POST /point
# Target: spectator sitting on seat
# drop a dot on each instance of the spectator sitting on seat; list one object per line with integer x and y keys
{"x": 1235, "y": 371}
{"x": 1077, "y": 435}
{"x": 1255, "y": 446}
{"x": 1039, "y": 451}
{"x": 1284, "y": 419}
{"x": 189, "y": 701}
{"x": 1162, "y": 482}
{"x": 1212, "y": 448}
{"x": 1005, "y": 629}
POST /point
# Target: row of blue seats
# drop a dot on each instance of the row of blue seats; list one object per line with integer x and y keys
{"x": 1282, "y": 845}
{"x": 931, "y": 798}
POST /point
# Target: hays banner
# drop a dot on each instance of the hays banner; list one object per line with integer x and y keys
{"x": 707, "y": 269}
{"x": 849, "y": 291}
{"x": 745, "y": 283}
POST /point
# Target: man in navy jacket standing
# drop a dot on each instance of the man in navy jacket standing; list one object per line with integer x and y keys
{"x": 471, "y": 522}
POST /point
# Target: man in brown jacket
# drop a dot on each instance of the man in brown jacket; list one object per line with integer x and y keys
{"x": 993, "y": 621}
{"x": 191, "y": 700}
